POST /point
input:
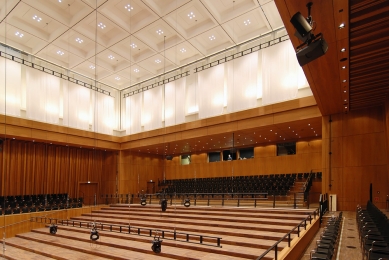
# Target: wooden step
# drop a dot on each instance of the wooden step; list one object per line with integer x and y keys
{"x": 14, "y": 253}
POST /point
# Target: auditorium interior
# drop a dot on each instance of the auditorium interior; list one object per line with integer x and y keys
{"x": 194, "y": 129}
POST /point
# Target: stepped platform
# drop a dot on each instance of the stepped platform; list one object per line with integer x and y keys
{"x": 245, "y": 233}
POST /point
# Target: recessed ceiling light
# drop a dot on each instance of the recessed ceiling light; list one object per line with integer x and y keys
{"x": 345, "y": 107}
{"x": 136, "y": 70}
{"x": 111, "y": 57}
{"x": 182, "y": 50}
{"x": 133, "y": 45}
{"x": 191, "y": 15}
{"x": 341, "y": 26}
{"x": 343, "y": 49}
{"x": 247, "y": 22}
{"x": 343, "y": 67}
{"x": 101, "y": 25}
{"x": 128, "y": 7}
{"x": 345, "y": 100}
{"x": 344, "y": 91}
{"x": 344, "y": 80}
{"x": 60, "y": 53}
{"x": 79, "y": 40}
{"x": 117, "y": 78}
{"x": 212, "y": 37}
{"x": 36, "y": 18}
{"x": 92, "y": 67}
{"x": 19, "y": 34}
{"x": 159, "y": 31}
{"x": 157, "y": 61}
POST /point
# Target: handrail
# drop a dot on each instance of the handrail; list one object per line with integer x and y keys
{"x": 275, "y": 246}
{"x": 126, "y": 229}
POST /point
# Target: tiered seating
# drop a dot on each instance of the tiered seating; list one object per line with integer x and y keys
{"x": 41, "y": 202}
{"x": 373, "y": 226}
{"x": 326, "y": 245}
{"x": 274, "y": 184}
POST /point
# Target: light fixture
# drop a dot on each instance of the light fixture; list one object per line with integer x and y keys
{"x": 247, "y": 22}
{"x": 79, "y": 40}
{"x": 343, "y": 67}
{"x": 60, "y": 53}
{"x": 36, "y": 18}
{"x": 341, "y": 26}
{"x": 143, "y": 201}
{"x": 111, "y": 57}
{"x": 157, "y": 61}
{"x": 92, "y": 67}
{"x": 19, "y": 34}
{"x": 344, "y": 80}
{"x": 117, "y": 78}
{"x": 156, "y": 245}
{"x": 159, "y": 31}
{"x": 136, "y": 70}
{"x": 128, "y": 7}
{"x": 133, "y": 45}
{"x": 94, "y": 234}
{"x": 101, "y": 25}
{"x": 343, "y": 49}
{"x": 212, "y": 37}
{"x": 53, "y": 229}
{"x": 163, "y": 205}
{"x": 182, "y": 50}
{"x": 191, "y": 15}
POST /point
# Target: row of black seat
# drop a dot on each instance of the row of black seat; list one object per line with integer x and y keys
{"x": 41, "y": 202}
{"x": 327, "y": 244}
{"x": 373, "y": 227}
{"x": 273, "y": 184}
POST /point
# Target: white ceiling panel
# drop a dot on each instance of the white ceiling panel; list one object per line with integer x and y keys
{"x": 131, "y": 15}
{"x": 135, "y": 33}
{"x": 191, "y": 19}
{"x": 212, "y": 41}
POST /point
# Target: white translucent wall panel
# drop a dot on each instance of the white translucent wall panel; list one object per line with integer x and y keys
{"x": 152, "y": 109}
{"x": 242, "y": 83}
{"x": 191, "y": 94}
{"x": 104, "y": 111}
{"x": 10, "y": 87}
{"x": 211, "y": 89}
{"x": 133, "y": 113}
{"x": 42, "y": 96}
{"x": 175, "y": 102}
{"x": 76, "y": 105}
{"x": 280, "y": 79}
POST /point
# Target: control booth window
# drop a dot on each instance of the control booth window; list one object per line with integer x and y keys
{"x": 229, "y": 155}
{"x": 246, "y": 153}
{"x": 286, "y": 148}
{"x": 214, "y": 157}
{"x": 185, "y": 159}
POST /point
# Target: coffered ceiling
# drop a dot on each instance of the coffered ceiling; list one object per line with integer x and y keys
{"x": 122, "y": 42}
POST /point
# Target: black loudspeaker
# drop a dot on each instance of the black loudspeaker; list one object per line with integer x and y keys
{"x": 164, "y": 205}
{"x": 312, "y": 51}
{"x": 169, "y": 157}
{"x": 301, "y": 24}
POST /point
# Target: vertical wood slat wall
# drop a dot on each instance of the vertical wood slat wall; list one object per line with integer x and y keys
{"x": 37, "y": 168}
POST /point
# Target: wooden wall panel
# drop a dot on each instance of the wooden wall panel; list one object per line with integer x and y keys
{"x": 38, "y": 168}
{"x": 265, "y": 161}
{"x": 136, "y": 169}
{"x": 359, "y": 157}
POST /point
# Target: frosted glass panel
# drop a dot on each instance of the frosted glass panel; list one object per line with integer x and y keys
{"x": 133, "y": 113}
{"x": 175, "y": 102}
{"x": 242, "y": 86}
{"x": 104, "y": 110}
{"x": 280, "y": 79}
{"x": 211, "y": 87}
{"x": 77, "y": 107}
{"x": 152, "y": 108}
{"x": 10, "y": 87}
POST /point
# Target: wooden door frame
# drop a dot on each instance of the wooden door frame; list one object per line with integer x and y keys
{"x": 88, "y": 182}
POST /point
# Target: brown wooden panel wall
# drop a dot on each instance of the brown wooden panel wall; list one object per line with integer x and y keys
{"x": 136, "y": 169}
{"x": 359, "y": 157}
{"x": 265, "y": 161}
{"x": 38, "y": 168}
